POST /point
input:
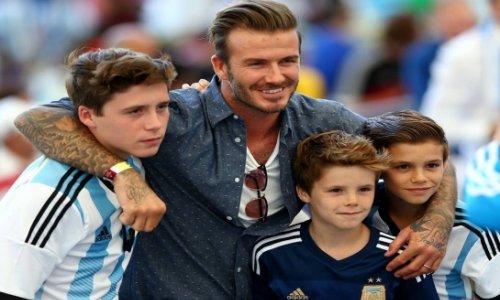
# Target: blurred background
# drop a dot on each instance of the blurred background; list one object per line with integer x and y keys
{"x": 373, "y": 55}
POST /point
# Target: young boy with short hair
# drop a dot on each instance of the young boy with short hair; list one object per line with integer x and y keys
{"x": 419, "y": 151}
{"x": 60, "y": 233}
{"x": 333, "y": 255}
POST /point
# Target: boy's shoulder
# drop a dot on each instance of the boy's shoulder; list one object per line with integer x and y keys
{"x": 49, "y": 172}
{"x": 488, "y": 238}
{"x": 282, "y": 238}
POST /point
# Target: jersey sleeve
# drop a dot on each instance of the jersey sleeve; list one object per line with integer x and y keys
{"x": 27, "y": 259}
{"x": 418, "y": 288}
{"x": 482, "y": 266}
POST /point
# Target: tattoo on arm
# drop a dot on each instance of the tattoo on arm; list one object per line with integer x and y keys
{"x": 58, "y": 134}
{"x": 436, "y": 224}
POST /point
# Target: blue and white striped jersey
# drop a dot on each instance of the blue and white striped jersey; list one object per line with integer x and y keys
{"x": 60, "y": 236}
{"x": 472, "y": 260}
{"x": 290, "y": 265}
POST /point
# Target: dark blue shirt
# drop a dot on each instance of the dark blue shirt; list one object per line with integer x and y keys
{"x": 290, "y": 265}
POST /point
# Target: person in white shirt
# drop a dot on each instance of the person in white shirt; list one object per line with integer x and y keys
{"x": 464, "y": 91}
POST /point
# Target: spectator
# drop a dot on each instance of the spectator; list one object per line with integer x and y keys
{"x": 448, "y": 19}
{"x": 463, "y": 92}
{"x": 327, "y": 43}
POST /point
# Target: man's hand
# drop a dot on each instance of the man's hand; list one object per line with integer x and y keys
{"x": 424, "y": 253}
{"x": 142, "y": 209}
{"x": 200, "y": 86}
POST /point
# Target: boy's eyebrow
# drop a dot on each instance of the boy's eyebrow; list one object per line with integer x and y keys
{"x": 398, "y": 161}
{"x": 142, "y": 106}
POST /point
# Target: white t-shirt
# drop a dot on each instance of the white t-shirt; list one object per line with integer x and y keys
{"x": 273, "y": 188}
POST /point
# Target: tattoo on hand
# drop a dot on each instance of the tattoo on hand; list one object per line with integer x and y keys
{"x": 135, "y": 191}
{"x": 433, "y": 231}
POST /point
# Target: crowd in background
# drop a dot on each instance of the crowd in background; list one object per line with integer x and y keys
{"x": 375, "y": 56}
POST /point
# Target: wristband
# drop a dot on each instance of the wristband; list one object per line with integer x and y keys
{"x": 116, "y": 169}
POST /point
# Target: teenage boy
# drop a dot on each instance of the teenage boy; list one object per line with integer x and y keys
{"x": 419, "y": 151}
{"x": 60, "y": 233}
{"x": 333, "y": 255}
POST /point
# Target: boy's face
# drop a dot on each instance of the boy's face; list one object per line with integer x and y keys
{"x": 342, "y": 198}
{"x": 132, "y": 122}
{"x": 416, "y": 171}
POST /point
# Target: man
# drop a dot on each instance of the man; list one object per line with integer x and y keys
{"x": 248, "y": 119}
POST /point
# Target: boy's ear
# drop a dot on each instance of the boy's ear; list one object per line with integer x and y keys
{"x": 303, "y": 194}
{"x": 86, "y": 116}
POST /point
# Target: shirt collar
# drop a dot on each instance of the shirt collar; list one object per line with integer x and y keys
{"x": 217, "y": 108}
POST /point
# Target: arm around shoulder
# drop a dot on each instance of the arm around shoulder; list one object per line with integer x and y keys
{"x": 57, "y": 133}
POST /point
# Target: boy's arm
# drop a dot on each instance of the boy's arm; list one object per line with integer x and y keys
{"x": 58, "y": 134}
{"x": 427, "y": 238}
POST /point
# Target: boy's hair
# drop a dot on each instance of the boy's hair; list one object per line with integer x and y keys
{"x": 334, "y": 148}
{"x": 96, "y": 75}
{"x": 406, "y": 126}
{"x": 259, "y": 15}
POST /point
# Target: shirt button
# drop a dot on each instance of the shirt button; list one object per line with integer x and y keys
{"x": 237, "y": 179}
{"x": 238, "y": 269}
{"x": 229, "y": 218}
{"x": 235, "y": 117}
{"x": 237, "y": 140}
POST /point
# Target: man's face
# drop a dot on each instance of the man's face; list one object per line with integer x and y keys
{"x": 416, "y": 172}
{"x": 132, "y": 122}
{"x": 262, "y": 72}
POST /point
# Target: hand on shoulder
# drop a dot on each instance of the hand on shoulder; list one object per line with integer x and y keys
{"x": 142, "y": 208}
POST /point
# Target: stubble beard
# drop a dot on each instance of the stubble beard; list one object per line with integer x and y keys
{"x": 240, "y": 95}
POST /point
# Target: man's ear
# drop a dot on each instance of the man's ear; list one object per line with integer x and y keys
{"x": 219, "y": 67}
{"x": 86, "y": 116}
{"x": 303, "y": 194}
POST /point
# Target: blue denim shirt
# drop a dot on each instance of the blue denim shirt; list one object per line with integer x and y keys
{"x": 200, "y": 250}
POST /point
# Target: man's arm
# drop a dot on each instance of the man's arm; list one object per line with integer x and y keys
{"x": 427, "y": 238}
{"x": 58, "y": 134}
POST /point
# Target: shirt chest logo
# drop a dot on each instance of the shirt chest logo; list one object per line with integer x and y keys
{"x": 103, "y": 235}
